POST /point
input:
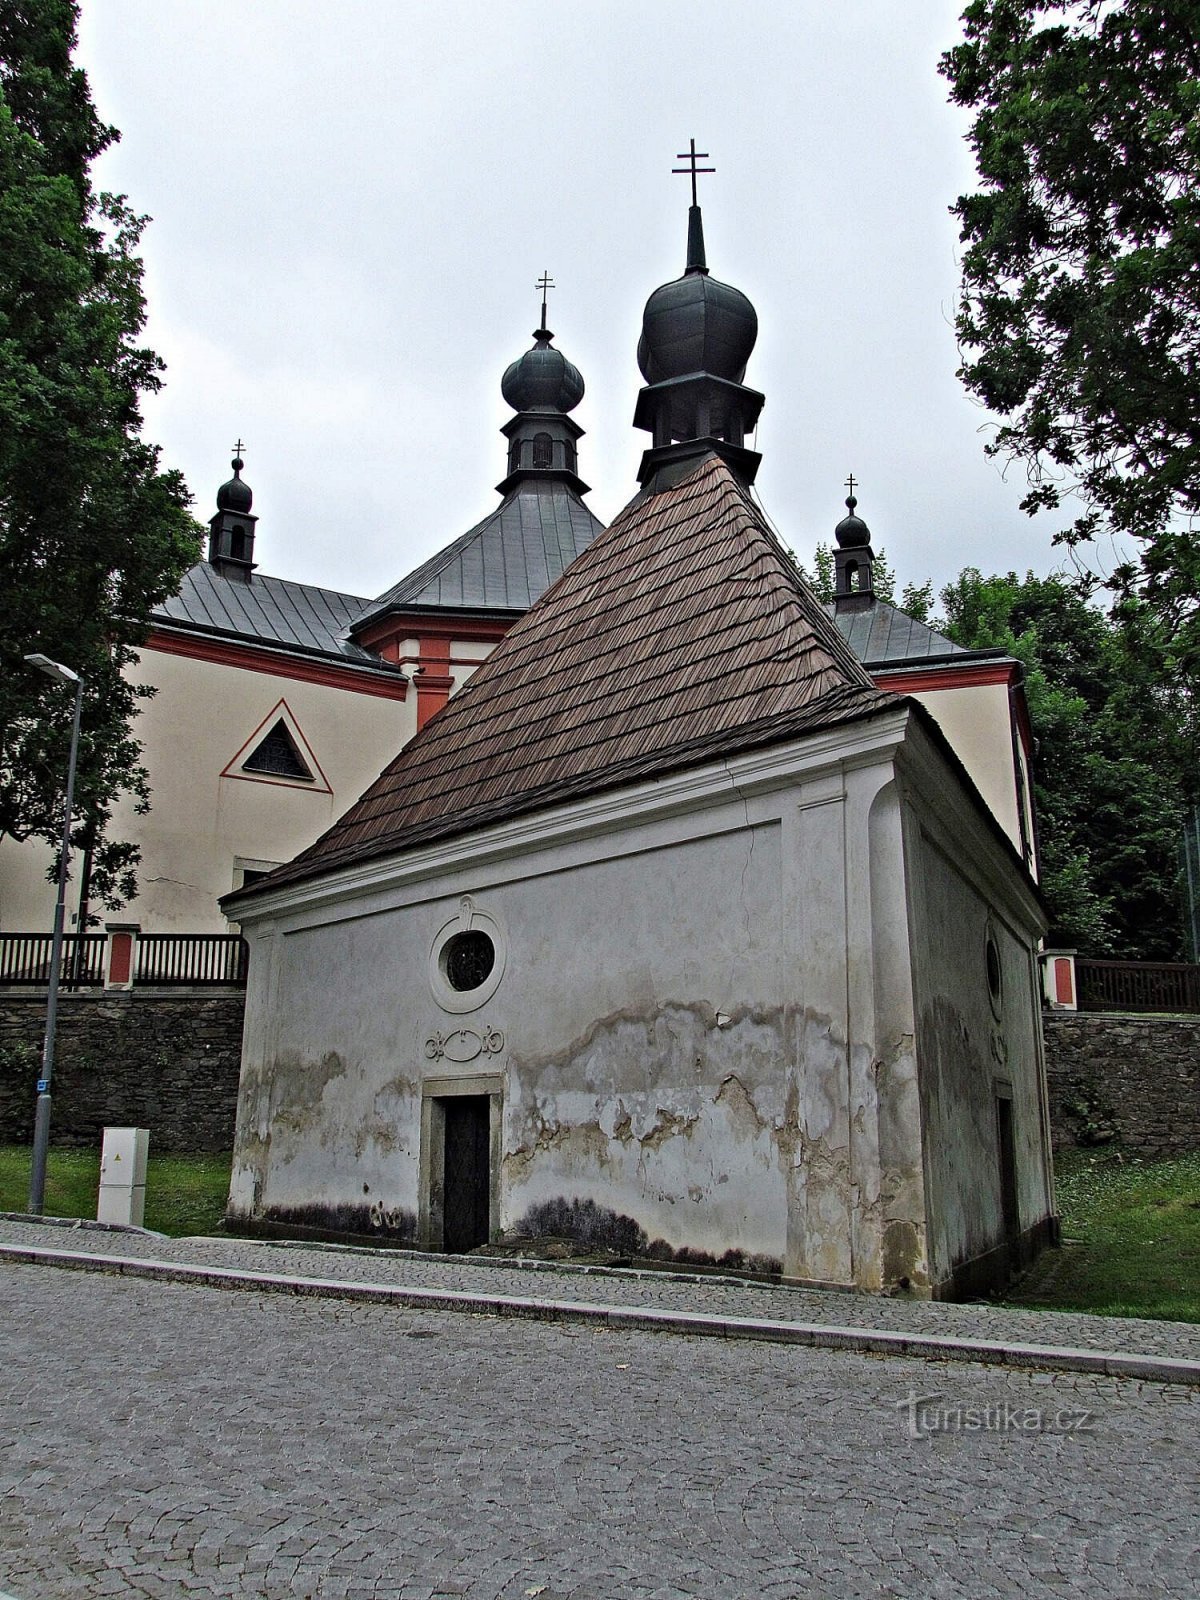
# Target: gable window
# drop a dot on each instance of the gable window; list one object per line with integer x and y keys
{"x": 278, "y": 756}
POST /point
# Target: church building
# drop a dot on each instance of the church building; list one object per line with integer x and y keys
{"x": 679, "y": 926}
{"x": 276, "y": 703}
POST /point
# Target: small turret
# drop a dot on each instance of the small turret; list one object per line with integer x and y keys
{"x": 853, "y": 560}
{"x": 697, "y": 336}
{"x": 231, "y": 536}
{"x": 542, "y": 386}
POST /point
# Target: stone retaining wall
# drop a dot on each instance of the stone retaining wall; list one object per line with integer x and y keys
{"x": 1124, "y": 1080}
{"x": 169, "y": 1062}
{"x": 164, "y": 1061}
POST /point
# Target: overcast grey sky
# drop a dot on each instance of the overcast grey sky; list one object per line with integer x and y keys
{"x": 351, "y": 205}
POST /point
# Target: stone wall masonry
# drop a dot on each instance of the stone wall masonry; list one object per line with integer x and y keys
{"x": 1132, "y": 1082}
{"x": 167, "y": 1062}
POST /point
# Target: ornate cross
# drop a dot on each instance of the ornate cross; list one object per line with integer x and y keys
{"x": 850, "y": 484}
{"x": 691, "y": 156}
{"x": 544, "y": 283}
{"x": 238, "y": 448}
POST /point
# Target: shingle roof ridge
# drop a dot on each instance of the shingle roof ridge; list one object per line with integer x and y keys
{"x": 680, "y": 625}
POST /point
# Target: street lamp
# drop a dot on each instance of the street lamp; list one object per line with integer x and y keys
{"x": 41, "y": 1125}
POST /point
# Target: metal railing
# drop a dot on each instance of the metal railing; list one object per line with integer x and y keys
{"x": 191, "y": 959}
{"x": 161, "y": 960}
{"x": 1138, "y": 985}
{"x": 25, "y": 959}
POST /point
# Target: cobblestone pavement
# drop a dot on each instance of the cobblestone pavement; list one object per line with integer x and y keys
{"x": 166, "y": 1440}
{"x": 726, "y": 1298}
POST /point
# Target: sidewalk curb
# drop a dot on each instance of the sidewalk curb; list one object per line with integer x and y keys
{"x": 643, "y": 1319}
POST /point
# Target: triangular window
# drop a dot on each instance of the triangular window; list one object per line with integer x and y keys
{"x": 278, "y": 755}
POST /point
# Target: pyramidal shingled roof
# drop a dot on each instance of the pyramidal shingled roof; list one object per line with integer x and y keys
{"x": 682, "y": 633}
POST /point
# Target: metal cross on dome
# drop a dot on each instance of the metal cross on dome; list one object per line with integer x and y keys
{"x": 691, "y": 156}
{"x": 851, "y": 482}
{"x": 238, "y": 448}
{"x": 545, "y": 283}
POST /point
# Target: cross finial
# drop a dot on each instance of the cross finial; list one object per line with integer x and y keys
{"x": 237, "y": 451}
{"x": 545, "y": 283}
{"x": 851, "y": 484}
{"x": 691, "y": 156}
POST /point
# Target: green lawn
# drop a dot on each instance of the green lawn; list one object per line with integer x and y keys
{"x": 1131, "y": 1232}
{"x": 184, "y": 1194}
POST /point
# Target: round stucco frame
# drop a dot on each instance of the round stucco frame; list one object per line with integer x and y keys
{"x": 468, "y": 916}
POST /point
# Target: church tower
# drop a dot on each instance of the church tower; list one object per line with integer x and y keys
{"x": 231, "y": 535}
{"x": 697, "y": 336}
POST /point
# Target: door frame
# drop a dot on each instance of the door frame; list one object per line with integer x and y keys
{"x": 432, "y": 1174}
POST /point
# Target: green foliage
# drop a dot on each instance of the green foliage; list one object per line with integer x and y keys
{"x": 821, "y": 580}
{"x": 92, "y": 534}
{"x": 1132, "y": 1232}
{"x": 1080, "y": 305}
{"x": 184, "y": 1194}
{"x": 1117, "y": 738}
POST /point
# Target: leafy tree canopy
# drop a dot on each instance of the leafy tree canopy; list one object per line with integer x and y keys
{"x": 92, "y": 534}
{"x": 1080, "y": 306}
{"x": 1117, "y": 739}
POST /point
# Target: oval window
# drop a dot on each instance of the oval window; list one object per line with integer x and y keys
{"x": 468, "y": 959}
{"x": 994, "y": 975}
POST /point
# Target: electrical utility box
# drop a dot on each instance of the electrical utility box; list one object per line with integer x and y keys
{"x": 123, "y": 1175}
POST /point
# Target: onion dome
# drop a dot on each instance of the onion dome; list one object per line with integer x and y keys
{"x": 852, "y": 532}
{"x": 696, "y": 323}
{"x": 235, "y": 495}
{"x": 543, "y": 379}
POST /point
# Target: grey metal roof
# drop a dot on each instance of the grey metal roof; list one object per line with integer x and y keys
{"x": 506, "y": 561}
{"x": 881, "y": 635}
{"x": 271, "y": 611}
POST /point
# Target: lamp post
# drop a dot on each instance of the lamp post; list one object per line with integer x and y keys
{"x": 41, "y": 1125}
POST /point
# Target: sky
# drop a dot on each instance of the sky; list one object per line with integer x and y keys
{"x": 351, "y": 206}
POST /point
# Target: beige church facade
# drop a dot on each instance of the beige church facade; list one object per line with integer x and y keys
{"x": 672, "y": 930}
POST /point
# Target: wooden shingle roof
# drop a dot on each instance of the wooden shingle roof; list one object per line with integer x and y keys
{"x": 682, "y": 633}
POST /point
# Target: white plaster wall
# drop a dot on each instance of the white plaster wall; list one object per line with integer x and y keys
{"x": 692, "y": 1022}
{"x": 977, "y": 721}
{"x": 968, "y": 1049}
{"x": 199, "y": 822}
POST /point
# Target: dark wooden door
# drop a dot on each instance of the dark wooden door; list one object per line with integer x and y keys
{"x": 1008, "y": 1168}
{"x": 467, "y": 1181}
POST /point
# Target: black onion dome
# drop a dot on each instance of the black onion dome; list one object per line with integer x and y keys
{"x": 852, "y": 532}
{"x": 696, "y": 324}
{"x": 543, "y": 379}
{"x": 235, "y": 495}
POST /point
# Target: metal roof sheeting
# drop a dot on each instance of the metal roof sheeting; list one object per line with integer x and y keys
{"x": 681, "y": 633}
{"x": 881, "y": 635}
{"x": 295, "y": 616}
{"x": 503, "y": 563}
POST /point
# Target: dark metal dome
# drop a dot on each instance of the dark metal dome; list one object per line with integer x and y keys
{"x": 852, "y": 532}
{"x": 696, "y": 324}
{"x": 543, "y": 379}
{"x": 235, "y": 495}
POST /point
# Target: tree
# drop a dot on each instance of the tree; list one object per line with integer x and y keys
{"x": 915, "y": 599}
{"x": 1117, "y": 739}
{"x": 1079, "y": 314}
{"x": 92, "y": 534}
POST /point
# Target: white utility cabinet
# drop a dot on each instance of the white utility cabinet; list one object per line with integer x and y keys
{"x": 123, "y": 1175}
